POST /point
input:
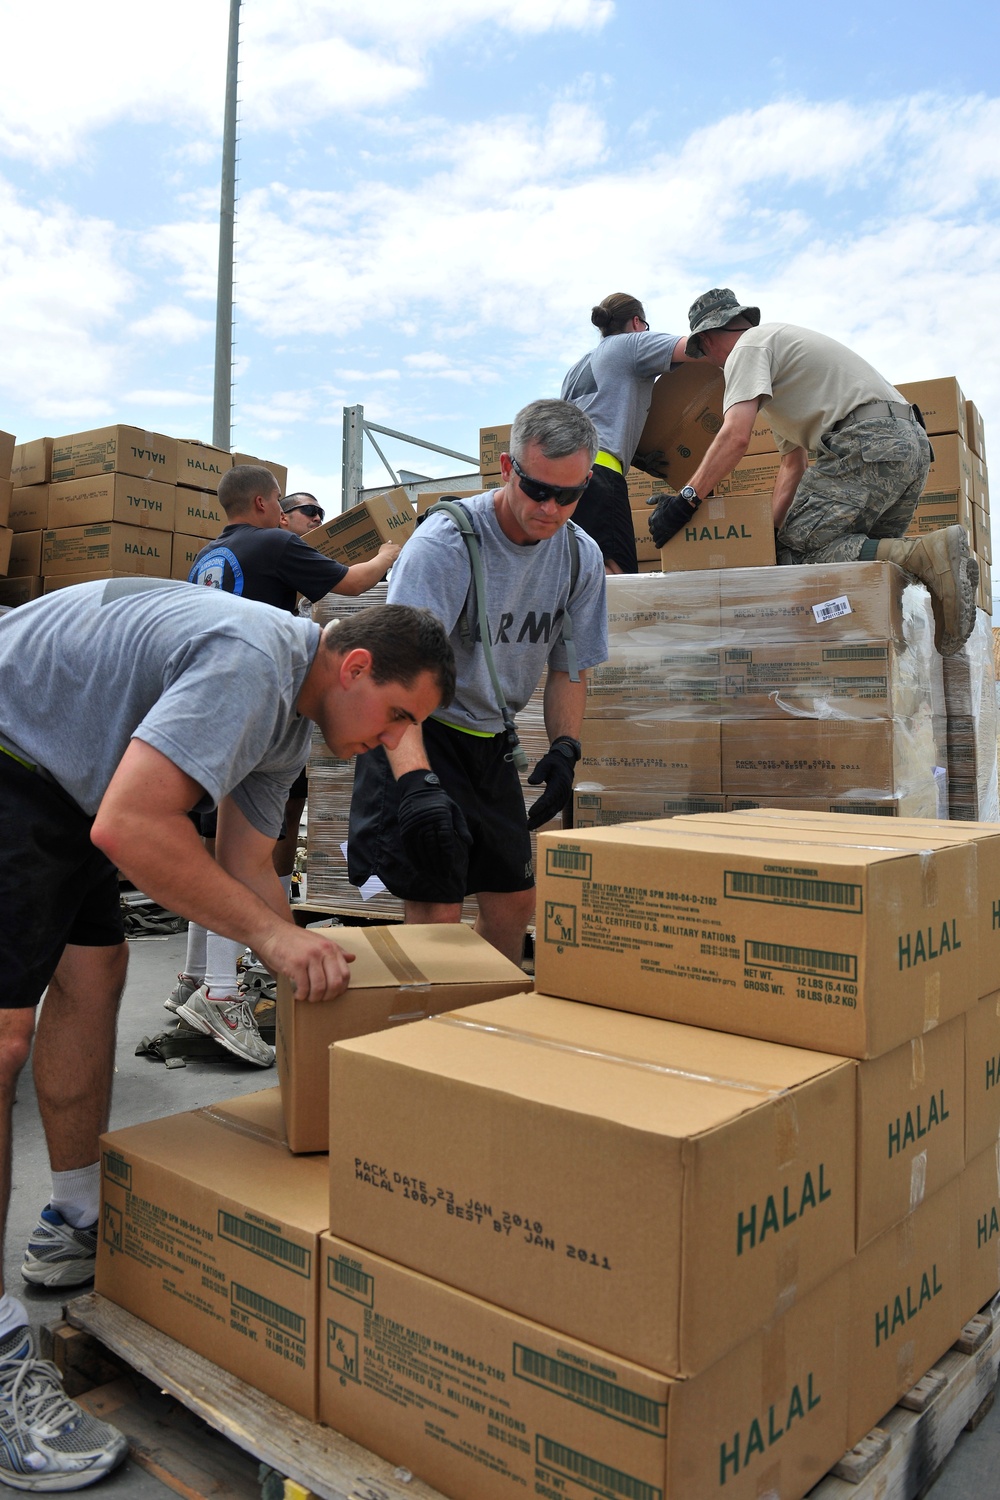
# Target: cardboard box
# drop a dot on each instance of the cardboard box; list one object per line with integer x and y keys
{"x": 724, "y": 533}
{"x": 646, "y": 549}
{"x": 480, "y": 1402}
{"x": 608, "y": 809}
{"x": 649, "y": 565}
{"x": 982, "y": 534}
{"x": 201, "y": 466}
{"x": 844, "y": 757}
{"x": 112, "y": 497}
{"x": 663, "y": 612}
{"x": 984, "y": 594}
{"x": 6, "y": 500}
{"x": 357, "y": 534}
{"x": 400, "y": 974}
{"x": 936, "y": 510}
{"x": 14, "y": 591}
{"x": 982, "y": 838}
{"x": 114, "y": 450}
{"x": 427, "y": 498}
{"x": 210, "y": 1232}
{"x": 32, "y": 462}
{"x": 29, "y": 507}
{"x": 492, "y": 442}
{"x": 685, "y": 414}
{"x": 753, "y": 475}
{"x": 951, "y": 467}
{"x": 980, "y": 484}
{"x": 94, "y": 575}
{"x": 979, "y": 1231}
{"x": 856, "y": 601}
{"x": 975, "y": 434}
{"x": 644, "y": 489}
{"x": 185, "y": 550}
{"x": 762, "y": 439}
{"x": 133, "y": 549}
{"x": 198, "y": 514}
{"x": 6, "y": 541}
{"x": 662, "y": 680}
{"x": 906, "y": 1307}
{"x": 660, "y": 1191}
{"x": 874, "y": 680}
{"x": 982, "y": 1075}
{"x": 25, "y": 560}
{"x": 676, "y": 756}
{"x": 911, "y": 1126}
{"x": 7, "y": 445}
{"x": 941, "y": 403}
{"x": 887, "y": 807}
{"x": 848, "y": 949}
{"x": 279, "y": 471}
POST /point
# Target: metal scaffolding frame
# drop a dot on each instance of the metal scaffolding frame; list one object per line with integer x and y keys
{"x": 356, "y": 428}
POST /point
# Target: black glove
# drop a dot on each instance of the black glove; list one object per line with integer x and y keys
{"x": 670, "y": 515}
{"x": 557, "y": 769}
{"x": 433, "y": 830}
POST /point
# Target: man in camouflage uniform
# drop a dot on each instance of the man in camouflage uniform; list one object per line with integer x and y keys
{"x": 872, "y": 455}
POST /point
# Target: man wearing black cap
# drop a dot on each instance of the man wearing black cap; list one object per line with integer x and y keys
{"x": 872, "y": 455}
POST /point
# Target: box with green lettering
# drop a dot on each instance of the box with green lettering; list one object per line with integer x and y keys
{"x": 357, "y": 534}
{"x": 851, "y": 949}
{"x": 657, "y": 1190}
{"x": 210, "y": 1230}
{"x": 906, "y": 1307}
{"x": 982, "y": 1075}
{"x": 979, "y": 1230}
{"x": 480, "y": 1402}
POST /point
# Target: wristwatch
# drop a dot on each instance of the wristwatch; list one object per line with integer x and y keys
{"x": 690, "y": 494}
{"x": 567, "y": 745}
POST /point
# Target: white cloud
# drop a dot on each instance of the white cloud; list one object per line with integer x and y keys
{"x": 170, "y": 325}
{"x": 152, "y": 398}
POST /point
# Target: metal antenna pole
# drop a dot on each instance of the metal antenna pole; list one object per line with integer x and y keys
{"x": 354, "y": 436}
{"x": 222, "y": 409}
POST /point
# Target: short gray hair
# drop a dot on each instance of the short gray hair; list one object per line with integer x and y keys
{"x": 558, "y": 427}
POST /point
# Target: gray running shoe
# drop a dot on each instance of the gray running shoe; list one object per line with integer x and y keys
{"x": 58, "y": 1254}
{"x": 182, "y": 990}
{"x": 47, "y": 1442}
{"x": 231, "y": 1022}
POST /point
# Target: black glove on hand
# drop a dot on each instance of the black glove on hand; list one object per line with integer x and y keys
{"x": 432, "y": 829}
{"x": 557, "y": 769}
{"x": 669, "y": 516}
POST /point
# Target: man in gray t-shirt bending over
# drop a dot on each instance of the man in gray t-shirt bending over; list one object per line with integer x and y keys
{"x": 124, "y": 706}
{"x": 442, "y": 815}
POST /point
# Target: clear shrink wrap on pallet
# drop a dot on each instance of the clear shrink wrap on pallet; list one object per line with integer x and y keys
{"x": 971, "y": 706}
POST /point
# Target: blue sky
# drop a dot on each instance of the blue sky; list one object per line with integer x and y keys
{"x": 433, "y": 196}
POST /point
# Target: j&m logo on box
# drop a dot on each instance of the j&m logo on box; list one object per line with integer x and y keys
{"x": 113, "y": 1235}
{"x": 560, "y": 924}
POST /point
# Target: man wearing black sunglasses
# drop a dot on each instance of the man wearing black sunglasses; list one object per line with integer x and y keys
{"x": 442, "y": 816}
{"x": 301, "y": 512}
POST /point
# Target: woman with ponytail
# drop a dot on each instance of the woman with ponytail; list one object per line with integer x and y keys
{"x": 613, "y": 384}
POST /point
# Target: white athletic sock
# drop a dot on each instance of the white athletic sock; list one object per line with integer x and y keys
{"x": 286, "y": 885}
{"x": 221, "y": 954}
{"x": 194, "y": 963}
{"x": 77, "y": 1195}
{"x": 12, "y": 1315}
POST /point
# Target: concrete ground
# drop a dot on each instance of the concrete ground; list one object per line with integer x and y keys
{"x": 145, "y": 1090}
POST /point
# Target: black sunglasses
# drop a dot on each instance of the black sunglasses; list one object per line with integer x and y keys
{"x": 312, "y": 511}
{"x": 538, "y": 490}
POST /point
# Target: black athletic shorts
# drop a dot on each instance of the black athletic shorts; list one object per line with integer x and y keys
{"x": 299, "y": 789}
{"x": 485, "y": 785}
{"x": 604, "y": 513}
{"x": 55, "y": 886}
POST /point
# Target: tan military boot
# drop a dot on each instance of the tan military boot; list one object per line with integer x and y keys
{"x": 942, "y": 560}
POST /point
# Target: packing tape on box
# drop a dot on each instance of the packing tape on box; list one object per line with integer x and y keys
{"x": 262, "y": 1133}
{"x": 932, "y": 1001}
{"x": 786, "y": 1276}
{"x": 774, "y": 1394}
{"x": 786, "y": 1135}
{"x": 906, "y": 1368}
{"x": 918, "y": 1180}
{"x": 514, "y": 1033}
{"x": 400, "y": 965}
{"x": 918, "y": 1063}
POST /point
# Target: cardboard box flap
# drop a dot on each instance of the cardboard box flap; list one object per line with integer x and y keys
{"x": 673, "y": 1081}
{"x": 713, "y": 830}
{"x": 420, "y": 955}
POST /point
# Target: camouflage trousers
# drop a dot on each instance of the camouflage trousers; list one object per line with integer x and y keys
{"x": 865, "y": 483}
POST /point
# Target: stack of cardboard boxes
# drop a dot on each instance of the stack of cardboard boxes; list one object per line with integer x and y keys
{"x": 810, "y": 687}
{"x": 112, "y": 502}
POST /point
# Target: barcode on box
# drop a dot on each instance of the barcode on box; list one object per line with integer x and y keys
{"x": 832, "y": 609}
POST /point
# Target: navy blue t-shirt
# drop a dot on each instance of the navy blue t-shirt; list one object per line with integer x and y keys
{"x": 268, "y": 564}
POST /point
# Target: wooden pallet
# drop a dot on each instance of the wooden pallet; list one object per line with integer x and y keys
{"x": 900, "y": 1459}
{"x": 322, "y": 1462}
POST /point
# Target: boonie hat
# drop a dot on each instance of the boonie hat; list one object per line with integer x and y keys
{"x": 712, "y": 310}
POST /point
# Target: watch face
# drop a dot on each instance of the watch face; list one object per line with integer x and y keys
{"x": 431, "y": 780}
